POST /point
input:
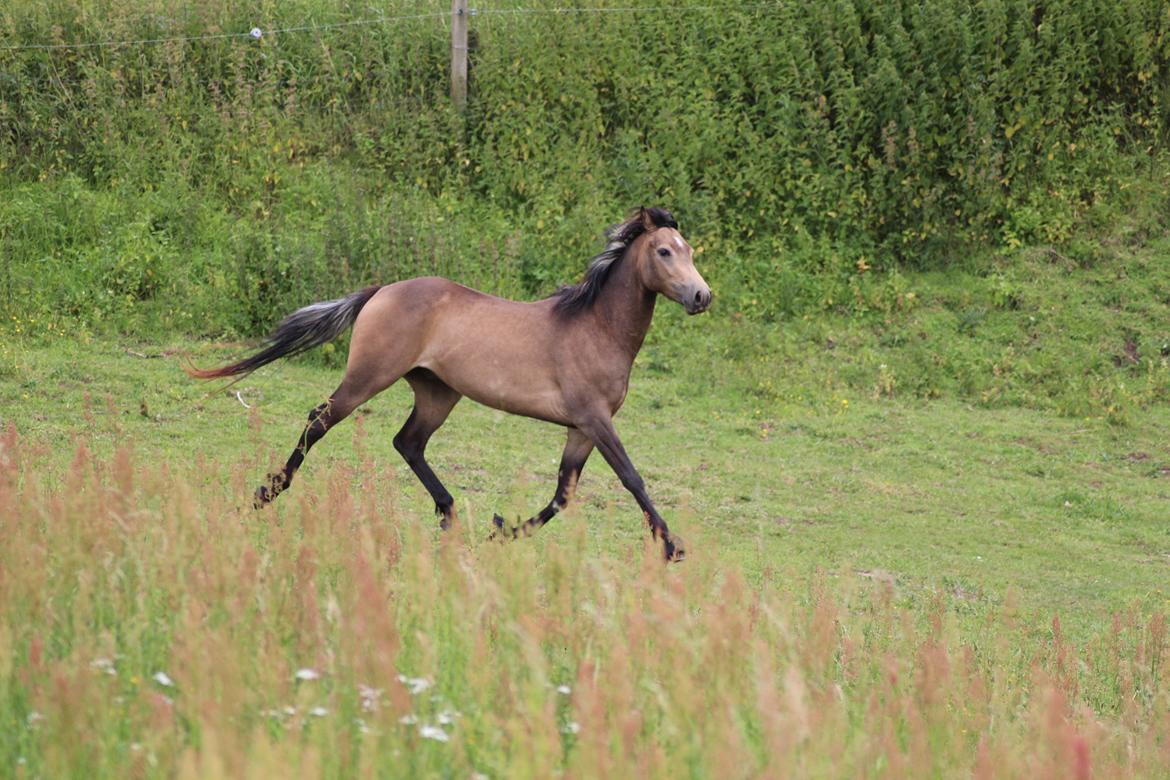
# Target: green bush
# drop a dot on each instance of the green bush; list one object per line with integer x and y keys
{"x": 210, "y": 185}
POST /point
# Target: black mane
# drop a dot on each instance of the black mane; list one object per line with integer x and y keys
{"x": 575, "y": 298}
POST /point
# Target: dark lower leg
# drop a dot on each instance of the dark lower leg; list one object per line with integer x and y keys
{"x": 672, "y": 545}
{"x": 566, "y": 483}
{"x": 577, "y": 450}
{"x": 413, "y": 453}
{"x": 321, "y": 419}
{"x": 633, "y": 483}
{"x": 605, "y": 437}
{"x": 433, "y": 401}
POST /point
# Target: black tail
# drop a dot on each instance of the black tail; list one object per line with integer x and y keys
{"x": 301, "y": 331}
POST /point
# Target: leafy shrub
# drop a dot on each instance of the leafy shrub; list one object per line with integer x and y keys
{"x": 803, "y": 145}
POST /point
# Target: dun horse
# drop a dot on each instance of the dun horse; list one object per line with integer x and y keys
{"x": 565, "y": 359}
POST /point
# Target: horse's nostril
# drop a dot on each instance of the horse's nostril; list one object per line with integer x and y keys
{"x": 698, "y": 302}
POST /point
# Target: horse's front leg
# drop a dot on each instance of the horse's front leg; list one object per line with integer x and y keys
{"x": 600, "y": 429}
{"x": 577, "y": 450}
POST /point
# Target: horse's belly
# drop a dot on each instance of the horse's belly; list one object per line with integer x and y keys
{"x": 502, "y": 384}
{"x": 541, "y": 408}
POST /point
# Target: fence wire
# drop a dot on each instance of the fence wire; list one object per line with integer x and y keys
{"x": 258, "y": 32}
{"x": 254, "y": 33}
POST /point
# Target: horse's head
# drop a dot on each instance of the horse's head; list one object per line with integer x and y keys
{"x": 666, "y": 264}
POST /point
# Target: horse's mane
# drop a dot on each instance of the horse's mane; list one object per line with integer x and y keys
{"x": 575, "y": 298}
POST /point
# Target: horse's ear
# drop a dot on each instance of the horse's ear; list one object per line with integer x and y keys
{"x": 647, "y": 220}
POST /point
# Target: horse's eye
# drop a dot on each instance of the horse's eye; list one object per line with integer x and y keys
{"x": 663, "y": 252}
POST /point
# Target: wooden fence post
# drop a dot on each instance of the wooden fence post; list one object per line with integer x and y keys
{"x": 459, "y": 53}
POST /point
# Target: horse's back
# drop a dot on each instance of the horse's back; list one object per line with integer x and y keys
{"x": 435, "y": 293}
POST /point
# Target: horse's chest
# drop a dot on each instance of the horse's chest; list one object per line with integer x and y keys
{"x": 612, "y": 388}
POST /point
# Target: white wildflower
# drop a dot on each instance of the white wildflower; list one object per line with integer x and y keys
{"x": 564, "y": 690}
{"x": 163, "y": 679}
{"x": 307, "y": 674}
{"x": 572, "y": 727}
{"x": 415, "y": 685}
{"x": 318, "y": 712}
{"x": 370, "y": 697}
{"x": 256, "y": 33}
{"x": 427, "y": 731}
{"x": 105, "y": 665}
{"x": 446, "y": 717}
{"x": 290, "y": 710}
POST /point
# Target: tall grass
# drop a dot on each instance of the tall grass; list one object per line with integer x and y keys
{"x": 151, "y": 627}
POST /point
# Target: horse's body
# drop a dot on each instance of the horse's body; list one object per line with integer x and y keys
{"x": 565, "y": 359}
{"x": 448, "y": 339}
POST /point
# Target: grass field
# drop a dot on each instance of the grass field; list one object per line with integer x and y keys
{"x": 876, "y": 586}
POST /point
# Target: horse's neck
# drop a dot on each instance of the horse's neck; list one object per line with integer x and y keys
{"x": 625, "y": 307}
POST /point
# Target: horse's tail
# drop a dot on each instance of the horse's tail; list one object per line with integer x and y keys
{"x": 301, "y": 331}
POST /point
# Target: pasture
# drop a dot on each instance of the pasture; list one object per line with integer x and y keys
{"x": 875, "y": 586}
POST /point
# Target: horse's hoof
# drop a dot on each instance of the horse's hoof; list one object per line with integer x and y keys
{"x": 497, "y": 534}
{"x": 502, "y": 533}
{"x": 674, "y": 549}
{"x": 272, "y": 488}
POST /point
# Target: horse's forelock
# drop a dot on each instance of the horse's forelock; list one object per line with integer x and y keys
{"x": 660, "y": 217}
{"x": 635, "y": 224}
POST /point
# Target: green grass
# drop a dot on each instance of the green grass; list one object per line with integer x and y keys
{"x": 891, "y": 586}
{"x": 926, "y": 538}
{"x": 976, "y": 503}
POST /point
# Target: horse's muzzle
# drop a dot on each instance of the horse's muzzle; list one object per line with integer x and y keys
{"x": 697, "y": 300}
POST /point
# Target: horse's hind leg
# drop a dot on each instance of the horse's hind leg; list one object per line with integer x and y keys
{"x": 344, "y": 400}
{"x": 577, "y": 450}
{"x": 433, "y": 401}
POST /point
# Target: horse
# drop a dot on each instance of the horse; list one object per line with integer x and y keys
{"x": 565, "y": 359}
